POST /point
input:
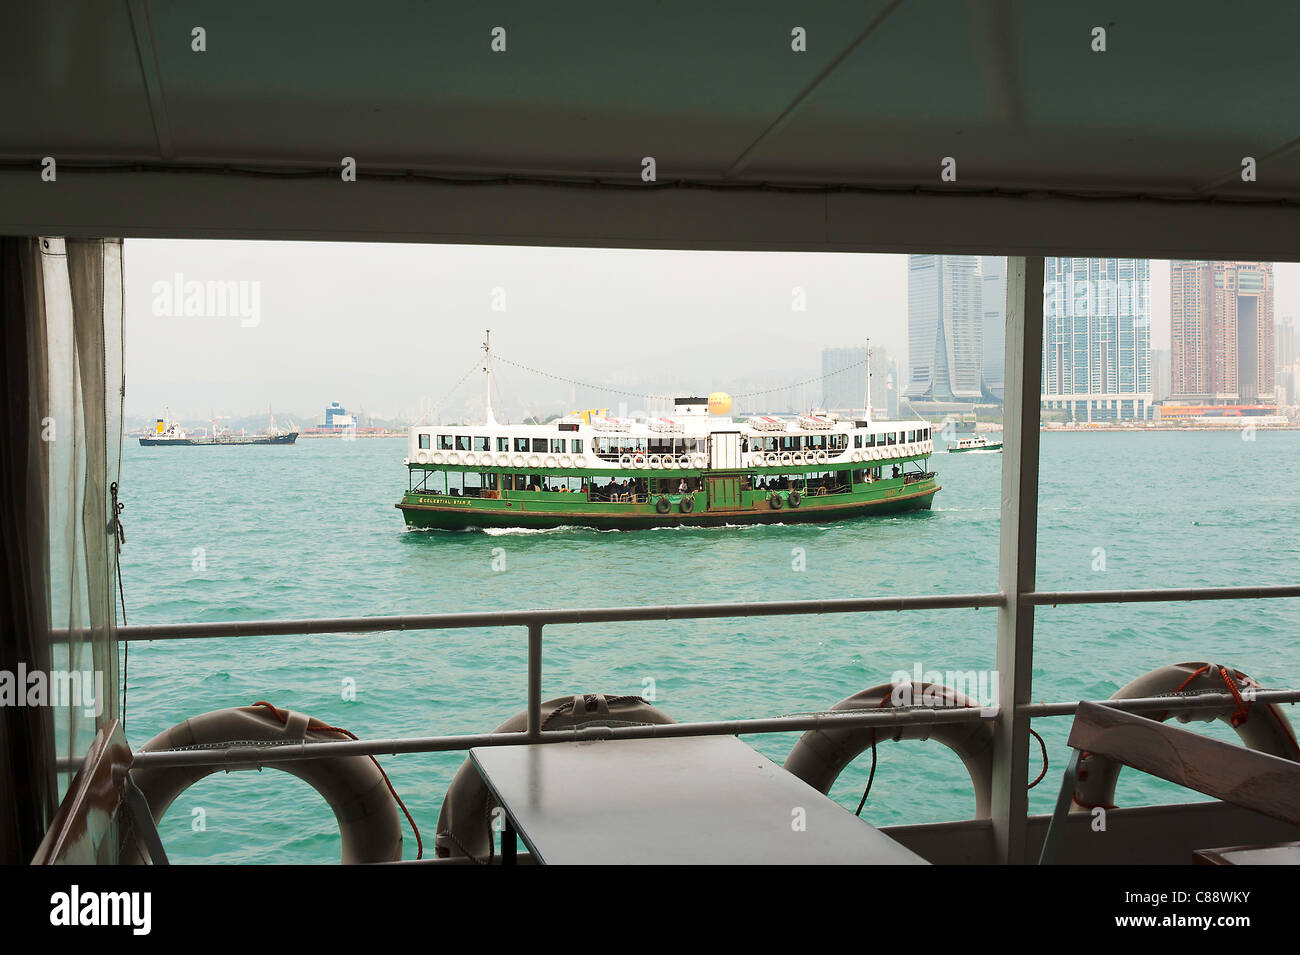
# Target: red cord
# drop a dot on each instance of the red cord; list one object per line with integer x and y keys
{"x": 318, "y": 726}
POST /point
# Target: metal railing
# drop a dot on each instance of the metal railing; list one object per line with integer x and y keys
{"x": 249, "y": 756}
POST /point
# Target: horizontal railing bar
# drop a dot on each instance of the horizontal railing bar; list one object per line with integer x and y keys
{"x": 524, "y": 618}
{"x": 1194, "y": 701}
{"x": 1055, "y": 597}
{"x": 255, "y": 756}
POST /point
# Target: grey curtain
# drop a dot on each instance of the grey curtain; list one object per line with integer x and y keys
{"x": 61, "y": 370}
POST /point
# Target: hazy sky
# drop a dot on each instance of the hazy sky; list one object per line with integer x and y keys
{"x": 381, "y": 326}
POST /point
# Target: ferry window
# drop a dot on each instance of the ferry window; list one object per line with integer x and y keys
{"x": 557, "y": 445}
{"x": 462, "y": 442}
{"x": 857, "y": 440}
{"x": 503, "y": 444}
{"x": 444, "y": 442}
{"x": 482, "y": 444}
{"x": 539, "y": 444}
{"x": 521, "y": 444}
{"x": 577, "y": 445}
{"x": 424, "y": 442}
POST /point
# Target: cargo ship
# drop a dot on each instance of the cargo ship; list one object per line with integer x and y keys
{"x": 695, "y": 467}
{"x": 167, "y": 433}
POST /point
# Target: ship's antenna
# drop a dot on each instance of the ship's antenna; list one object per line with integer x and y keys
{"x": 487, "y": 373}
{"x": 868, "y": 402}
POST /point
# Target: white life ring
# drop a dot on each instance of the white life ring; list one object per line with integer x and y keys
{"x": 438, "y": 457}
{"x": 534, "y": 461}
{"x": 877, "y": 454}
{"x": 1261, "y": 726}
{"x": 470, "y": 458}
{"x": 422, "y": 457}
{"x": 698, "y": 461}
{"x": 822, "y": 457}
{"x": 820, "y": 755}
{"x": 773, "y": 459}
{"x": 580, "y": 460}
{"x": 655, "y": 461}
{"x": 465, "y": 822}
{"x": 518, "y": 460}
{"x": 551, "y": 461}
{"x": 638, "y": 459}
{"x": 566, "y": 461}
{"x": 354, "y": 786}
{"x": 787, "y": 458}
{"x": 453, "y": 458}
{"x": 625, "y": 461}
{"x": 684, "y": 461}
{"x": 501, "y": 460}
{"x": 857, "y": 456}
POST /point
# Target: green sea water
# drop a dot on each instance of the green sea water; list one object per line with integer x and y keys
{"x": 239, "y": 533}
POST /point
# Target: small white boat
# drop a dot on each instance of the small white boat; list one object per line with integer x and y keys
{"x": 975, "y": 444}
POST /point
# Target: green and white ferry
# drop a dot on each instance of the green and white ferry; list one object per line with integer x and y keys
{"x": 693, "y": 468}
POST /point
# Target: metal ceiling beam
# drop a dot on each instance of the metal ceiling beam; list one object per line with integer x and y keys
{"x": 151, "y": 75}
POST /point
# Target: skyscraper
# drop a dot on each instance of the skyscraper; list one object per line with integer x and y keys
{"x": 993, "y": 269}
{"x": 945, "y": 328}
{"x": 1097, "y": 338}
{"x": 1221, "y": 332}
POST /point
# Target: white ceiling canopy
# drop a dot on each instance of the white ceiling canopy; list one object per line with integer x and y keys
{"x": 1052, "y": 144}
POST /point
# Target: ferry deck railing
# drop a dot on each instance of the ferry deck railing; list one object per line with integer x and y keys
{"x": 534, "y": 622}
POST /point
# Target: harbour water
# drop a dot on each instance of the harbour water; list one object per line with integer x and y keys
{"x": 310, "y": 531}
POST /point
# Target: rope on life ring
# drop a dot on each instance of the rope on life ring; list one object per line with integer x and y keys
{"x": 356, "y": 787}
{"x": 1263, "y": 727}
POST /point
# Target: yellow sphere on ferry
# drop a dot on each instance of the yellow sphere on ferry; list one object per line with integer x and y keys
{"x": 719, "y": 403}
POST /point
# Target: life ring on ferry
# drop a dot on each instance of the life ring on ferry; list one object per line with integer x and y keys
{"x": 422, "y": 457}
{"x": 625, "y": 461}
{"x": 857, "y": 457}
{"x": 684, "y": 461}
{"x": 776, "y": 502}
{"x": 534, "y": 461}
{"x": 772, "y": 459}
{"x": 354, "y": 786}
{"x": 580, "y": 460}
{"x": 638, "y": 460}
{"x": 687, "y": 504}
{"x": 465, "y": 822}
{"x": 822, "y": 457}
{"x": 656, "y": 462}
{"x": 787, "y": 458}
{"x": 698, "y": 461}
{"x": 820, "y": 755}
{"x": 663, "y": 505}
{"x": 437, "y": 457}
{"x": 795, "y": 498}
{"x": 469, "y": 459}
{"x": 517, "y": 460}
{"x": 566, "y": 461}
{"x": 502, "y": 460}
{"x": 877, "y": 454}
{"x": 453, "y": 458}
{"x": 1263, "y": 727}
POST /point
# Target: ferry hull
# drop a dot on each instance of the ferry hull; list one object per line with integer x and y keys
{"x": 148, "y": 442}
{"x": 472, "y": 514}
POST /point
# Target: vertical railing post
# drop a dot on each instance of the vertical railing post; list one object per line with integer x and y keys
{"x": 534, "y": 680}
{"x": 1017, "y": 553}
